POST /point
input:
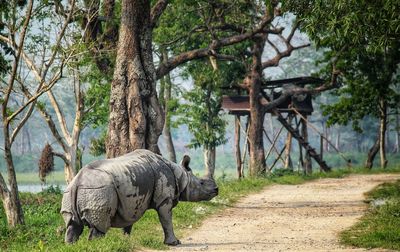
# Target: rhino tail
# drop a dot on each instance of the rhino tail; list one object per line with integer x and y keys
{"x": 74, "y": 206}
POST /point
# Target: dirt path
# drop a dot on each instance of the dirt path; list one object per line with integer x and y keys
{"x": 304, "y": 217}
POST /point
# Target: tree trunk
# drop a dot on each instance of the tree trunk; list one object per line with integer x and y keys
{"x": 371, "y": 154}
{"x": 167, "y": 126}
{"x": 382, "y": 132}
{"x": 237, "y": 147}
{"x": 307, "y": 160}
{"x": 397, "y": 134}
{"x": 136, "y": 119}
{"x": 288, "y": 147}
{"x": 257, "y": 156}
{"x": 70, "y": 165}
{"x": 209, "y": 161}
{"x": 337, "y": 142}
{"x": 11, "y": 203}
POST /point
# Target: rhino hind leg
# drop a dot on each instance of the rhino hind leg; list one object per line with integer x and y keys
{"x": 74, "y": 230}
{"x": 95, "y": 233}
{"x": 165, "y": 216}
{"x": 127, "y": 230}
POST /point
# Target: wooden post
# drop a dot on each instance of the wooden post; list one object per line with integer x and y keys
{"x": 288, "y": 146}
{"x": 237, "y": 147}
{"x": 273, "y": 143}
{"x": 304, "y": 133}
{"x": 321, "y": 148}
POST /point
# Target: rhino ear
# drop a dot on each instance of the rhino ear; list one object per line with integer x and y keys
{"x": 185, "y": 162}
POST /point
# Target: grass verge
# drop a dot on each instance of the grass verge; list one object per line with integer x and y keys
{"x": 380, "y": 227}
{"x": 44, "y": 229}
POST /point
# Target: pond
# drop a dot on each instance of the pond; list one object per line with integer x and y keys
{"x": 35, "y": 188}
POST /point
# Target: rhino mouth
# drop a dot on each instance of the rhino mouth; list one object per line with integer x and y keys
{"x": 214, "y": 193}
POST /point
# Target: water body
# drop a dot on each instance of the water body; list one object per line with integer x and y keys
{"x": 36, "y": 188}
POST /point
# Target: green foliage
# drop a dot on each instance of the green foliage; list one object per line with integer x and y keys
{"x": 363, "y": 41}
{"x": 380, "y": 228}
{"x": 201, "y": 111}
{"x": 349, "y": 23}
{"x": 98, "y": 145}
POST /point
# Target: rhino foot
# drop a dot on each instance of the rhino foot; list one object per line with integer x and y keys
{"x": 73, "y": 231}
{"x": 172, "y": 243}
{"x": 95, "y": 233}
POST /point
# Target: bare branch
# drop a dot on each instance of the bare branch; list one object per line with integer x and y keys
{"x": 16, "y": 62}
{"x": 157, "y": 11}
{"x": 22, "y": 122}
{"x": 60, "y": 116}
{"x": 62, "y": 156}
{"x": 46, "y": 116}
{"x": 289, "y": 48}
{"x": 182, "y": 58}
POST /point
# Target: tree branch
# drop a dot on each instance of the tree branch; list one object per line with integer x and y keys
{"x": 299, "y": 90}
{"x": 16, "y": 62}
{"x": 157, "y": 11}
{"x": 62, "y": 156}
{"x": 182, "y": 58}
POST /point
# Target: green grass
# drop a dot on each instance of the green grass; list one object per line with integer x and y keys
{"x": 54, "y": 178}
{"x": 380, "y": 227}
{"x": 44, "y": 225}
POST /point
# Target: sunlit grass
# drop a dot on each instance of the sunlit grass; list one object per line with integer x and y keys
{"x": 380, "y": 227}
{"x": 44, "y": 225}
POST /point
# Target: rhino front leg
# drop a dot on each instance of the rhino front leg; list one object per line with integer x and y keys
{"x": 165, "y": 216}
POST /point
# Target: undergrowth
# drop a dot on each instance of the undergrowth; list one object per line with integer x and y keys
{"x": 380, "y": 227}
{"x": 44, "y": 229}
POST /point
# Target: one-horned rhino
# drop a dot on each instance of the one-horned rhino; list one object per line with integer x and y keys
{"x": 116, "y": 193}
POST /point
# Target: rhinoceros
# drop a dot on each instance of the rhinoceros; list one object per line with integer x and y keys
{"x": 116, "y": 193}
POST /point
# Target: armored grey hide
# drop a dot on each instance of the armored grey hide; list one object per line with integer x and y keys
{"x": 116, "y": 193}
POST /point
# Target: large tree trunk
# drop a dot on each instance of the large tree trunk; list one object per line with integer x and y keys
{"x": 382, "y": 132}
{"x": 257, "y": 156}
{"x": 371, "y": 154}
{"x": 136, "y": 118}
{"x": 209, "y": 161}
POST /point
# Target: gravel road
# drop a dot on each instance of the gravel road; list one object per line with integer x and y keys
{"x": 305, "y": 217}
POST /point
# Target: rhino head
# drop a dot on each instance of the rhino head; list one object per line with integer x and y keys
{"x": 197, "y": 189}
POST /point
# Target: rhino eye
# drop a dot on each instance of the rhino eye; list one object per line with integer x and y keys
{"x": 201, "y": 182}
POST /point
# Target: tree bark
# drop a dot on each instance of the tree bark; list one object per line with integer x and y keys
{"x": 337, "y": 142}
{"x": 257, "y": 164}
{"x": 209, "y": 161}
{"x": 371, "y": 154}
{"x": 10, "y": 197}
{"x": 288, "y": 147}
{"x": 307, "y": 160}
{"x": 397, "y": 134}
{"x": 136, "y": 119}
{"x": 237, "y": 147}
{"x": 167, "y": 126}
{"x": 382, "y": 132}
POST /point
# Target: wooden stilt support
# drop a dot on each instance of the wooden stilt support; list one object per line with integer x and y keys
{"x": 273, "y": 143}
{"x": 307, "y": 160}
{"x": 323, "y": 137}
{"x": 237, "y": 147}
{"x": 313, "y": 154}
{"x": 288, "y": 146}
